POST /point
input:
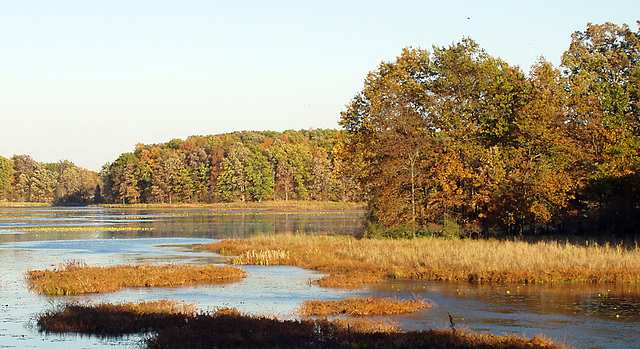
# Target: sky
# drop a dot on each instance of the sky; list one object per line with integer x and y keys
{"x": 85, "y": 81}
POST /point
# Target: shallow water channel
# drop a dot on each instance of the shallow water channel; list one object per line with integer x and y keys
{"x": 41, "y": 238}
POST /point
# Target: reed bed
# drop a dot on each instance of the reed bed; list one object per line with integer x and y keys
{"x": 265, "y": 257}
{"x": 75, "y": 277}
{"x": 351, "y": 262}
{"x": 228, "y": 328}
{"x": 268, "y": 205}
{"x": 370, "y": 306}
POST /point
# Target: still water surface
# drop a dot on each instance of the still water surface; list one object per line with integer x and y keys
{"x": 38, "y": 238}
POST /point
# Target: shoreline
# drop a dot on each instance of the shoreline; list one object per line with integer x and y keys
{"x": 291, "y": 205}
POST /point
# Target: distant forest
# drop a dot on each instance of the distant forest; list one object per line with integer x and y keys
{"x": 239, "y": 166}
{"x": 22, "y": 179}
{"x": 451, "y": 141}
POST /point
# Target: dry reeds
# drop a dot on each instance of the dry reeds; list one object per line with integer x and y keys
{"x": 267, "y": 205}
{"x": 265, "y": 257}
{"x": 75, "y": 277}
{"x": 370, "y": 306}
{"x": 351, "y": 262}
{"x": 228, "y": 328}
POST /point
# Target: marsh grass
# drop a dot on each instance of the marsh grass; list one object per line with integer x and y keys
{"x": 265, "y": 257}
{"x": 350, "y": 262}
{"x": 106, "y": 319}
{"x": 269, "y": 205}
{"x": 229, "y": 328}
{"x": 370, "y": 306}
{"x": 75, "y": 277}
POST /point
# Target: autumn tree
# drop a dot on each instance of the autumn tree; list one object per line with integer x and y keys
{"x": 459, "y": 137}
{"x": 602, "y": 66}
{"x": 6, "y": 173}
{"x": 120, "y": 179}
{"x": 421, "y": 127}
{"x": 261, "y": 174}
{"x": 234, "y": 179}
{"x": 23, "y": 166}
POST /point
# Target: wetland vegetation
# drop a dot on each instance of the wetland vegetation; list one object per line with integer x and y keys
{"x": 350, "y": 262}
{"x": 75, "y": 277}
{"x": 370, "y": 306}
{"x": 384, "y": 262}
{"x": 460, "y": 159}
{"x": 174, "y": 325}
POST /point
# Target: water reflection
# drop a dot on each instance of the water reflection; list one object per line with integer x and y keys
{"x": 589, "y": 316}
{"x": 33, "y": 224}
{"x": 39, "y": 238}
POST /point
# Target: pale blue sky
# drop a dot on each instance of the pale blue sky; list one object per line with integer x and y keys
{"x": 87, "y": 80}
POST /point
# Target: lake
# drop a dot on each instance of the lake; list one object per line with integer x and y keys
{"x": 586, "y": 316}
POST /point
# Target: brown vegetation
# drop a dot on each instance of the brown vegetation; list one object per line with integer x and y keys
{"x": 228, "y": 328}
{"x": 350, "y": 262}
{"x": 107, "y": 319}
{"x": 267, "y": 205}
{"x": 75, "y": 277}
{"x": 371, "y": 306}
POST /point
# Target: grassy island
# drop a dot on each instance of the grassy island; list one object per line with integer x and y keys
{"x": 350, "y": 262}
{"x": 76, "y": 277}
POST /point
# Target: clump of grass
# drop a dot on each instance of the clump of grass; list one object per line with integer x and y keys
{"x": 350, "y": 262}
{"x": 75, "y": 277}
{"x": 370, "y": 306}
{"x": 266, "y": 257}
{"x": 229, "y": 328}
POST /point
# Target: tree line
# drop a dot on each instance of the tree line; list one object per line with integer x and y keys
{"x": 238, "y": 166}
{"x": 456, "y": 138}
{"x": 22, "y": 179}
{"x": 447, "y": 140}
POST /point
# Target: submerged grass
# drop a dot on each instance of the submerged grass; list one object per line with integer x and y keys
{"x": 228, "y": 328}
{"x": 75, "y": 277}
{"x": 350, "y": 262}
{"x": 370, "y": 306}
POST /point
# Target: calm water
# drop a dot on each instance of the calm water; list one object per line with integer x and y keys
{"x": 39, "y": 238}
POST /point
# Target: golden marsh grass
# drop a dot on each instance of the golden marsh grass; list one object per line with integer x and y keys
{"x": 267, "y": 205}
{"x": 351, "y": 262}
{"x": 370, "y": 306}
{"x": 75, "y": 277}
{"x": 229, "y": 328}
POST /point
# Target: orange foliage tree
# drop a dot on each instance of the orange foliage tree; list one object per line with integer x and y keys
{"x": 457, "y": 137}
